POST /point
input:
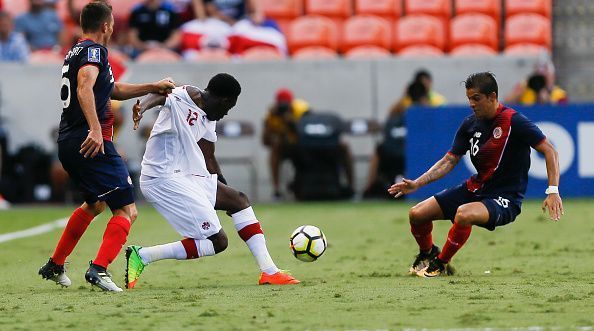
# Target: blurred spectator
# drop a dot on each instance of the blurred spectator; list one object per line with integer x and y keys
{"x": 154, "y": 23}
{"x": 41, "y": 26}
{"x": 539, "y": 88}
{"x": 280, "y": 132}
{"x": 434, "y": 99}
{"x": 388, "y": 161}
{"x": 189, "y": 9}
{"x": 249, "y": 26}
{"x": 13, "y": 47}
{"x": 199, "y": 34}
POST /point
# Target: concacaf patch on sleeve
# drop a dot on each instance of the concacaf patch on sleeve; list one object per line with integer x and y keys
{"x": 94, "y": 54}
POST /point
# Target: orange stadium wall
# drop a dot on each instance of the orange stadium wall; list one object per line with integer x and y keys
{"x": 31, "y": 108}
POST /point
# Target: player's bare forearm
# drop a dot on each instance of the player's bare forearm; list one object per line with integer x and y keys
{"x": 151, "y": 101}
{"x": 125, "y": 91}
{"x": 552, "y": 161}
{"x": 439, "y": 169}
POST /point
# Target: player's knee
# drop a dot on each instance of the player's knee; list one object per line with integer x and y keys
{"x": 464, "y": 216}
{"x": 416, "y": 215}
{"x": 133, "y": 215}
{"x": 219, "y": 241}
{"x": 243, "y": 201}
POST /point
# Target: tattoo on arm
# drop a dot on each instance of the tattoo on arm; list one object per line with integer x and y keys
{"x": 439, "y": 169}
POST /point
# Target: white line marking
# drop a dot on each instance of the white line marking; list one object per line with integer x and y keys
{"x": 41, "y": 229}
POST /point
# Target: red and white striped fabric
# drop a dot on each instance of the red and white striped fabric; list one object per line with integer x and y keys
{"x": 245, "y": 35}
{"x": 199, "y": 34}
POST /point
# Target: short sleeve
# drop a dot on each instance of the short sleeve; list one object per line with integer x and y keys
{"x": 211, "y": 133}
{"x": 526, "y": 130}
{"x": 94, "y": 55}
{"x": 460, "y": 144}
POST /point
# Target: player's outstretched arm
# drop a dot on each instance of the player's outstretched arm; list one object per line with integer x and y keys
{"x": 212, "y": 165}
{"x": 125, "y": 91}
{"x": 552, "y": 202}
{"x": 437, "y": 171}
{"x": 149, "y": 102}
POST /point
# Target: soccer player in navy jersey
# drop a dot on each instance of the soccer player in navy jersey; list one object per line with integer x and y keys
{"x": 86, "y": 149}
{"x": 499, "y": 141}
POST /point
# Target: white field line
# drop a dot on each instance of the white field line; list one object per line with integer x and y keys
{"x": 41, "y": 229}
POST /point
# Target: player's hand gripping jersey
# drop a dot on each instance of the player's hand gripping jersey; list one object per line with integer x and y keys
{"x": 73, "y": 123}
{"x": 172, "y": 147}
{"x": 499, "y": 150}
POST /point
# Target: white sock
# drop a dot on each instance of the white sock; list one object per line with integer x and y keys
{"x": 174, "y": 250}
{"x": 257, "y": 242}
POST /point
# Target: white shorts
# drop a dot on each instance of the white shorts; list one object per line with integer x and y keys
{"x": 186, "y": 202}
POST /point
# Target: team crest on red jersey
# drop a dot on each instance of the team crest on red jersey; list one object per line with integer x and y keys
{"x": 497, "y": 132}
{"x": 205, "y": 225}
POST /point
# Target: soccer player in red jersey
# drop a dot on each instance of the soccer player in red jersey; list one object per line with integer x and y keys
{"x": 498, "y": 139}
{"x": 86, "y": 149}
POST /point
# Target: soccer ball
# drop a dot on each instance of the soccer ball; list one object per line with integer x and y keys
{"x": 308, "y": 243}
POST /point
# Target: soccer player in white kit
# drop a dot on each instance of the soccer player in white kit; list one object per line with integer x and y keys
{"x": 181, "y": 178}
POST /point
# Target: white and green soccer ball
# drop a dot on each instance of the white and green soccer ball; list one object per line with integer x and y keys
{"x": 308, "y": 243}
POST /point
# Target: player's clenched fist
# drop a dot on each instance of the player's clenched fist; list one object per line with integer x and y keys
{"x": 165, "y": 86}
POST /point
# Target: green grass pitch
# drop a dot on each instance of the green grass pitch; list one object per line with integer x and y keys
{"x": 533, "y": 272}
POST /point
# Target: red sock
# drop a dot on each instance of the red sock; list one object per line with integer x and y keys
{"x": 191, "y": 249}
{"x": 422, "y": 234}
{"x": 456, "y": 238}
{"x": 114, "y": 238}
{"x": 77, "y": 224}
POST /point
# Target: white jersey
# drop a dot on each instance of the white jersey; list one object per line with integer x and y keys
{"x": 172, "y": 148}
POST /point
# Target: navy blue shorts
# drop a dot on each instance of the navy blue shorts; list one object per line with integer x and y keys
{"x": 102, "y": 178}
{"x": 503, "y": 209}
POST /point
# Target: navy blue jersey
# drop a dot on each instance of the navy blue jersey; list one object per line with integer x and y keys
{"x": 499, "y": 150}
{"x": 73, "y": 123}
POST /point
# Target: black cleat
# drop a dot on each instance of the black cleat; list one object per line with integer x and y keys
{"x": 98, "y": 276}
{"x": 436, "y": 268}
{"x": 55, "y": 272}
{"x": 422, "y": 260}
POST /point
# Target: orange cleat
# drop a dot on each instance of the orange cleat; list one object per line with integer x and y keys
{"x": 279, "y": 278}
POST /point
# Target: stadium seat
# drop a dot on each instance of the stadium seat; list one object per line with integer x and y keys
{"x": 46, "y": 56}
{"x": 366, "y": 30}
{"x": 315, "y": 53}
{"x": 16, "y": 7}
{"x": 312, "y": 31}
{"x": 486, "y": 7}
{"x": 158, "y": 55}
{"x": 420, "y": 30}
{"x": 541, "y": 7}
{"x": 335, "y": 9}
{"x": 421, "y": 51}
{"x": 390, "y": 9}
{"x": 208, "y": 55}
{"x": 525, "y": 49}
{"x": 282, "y": 9}
{"x": 437, "y": 8}
{"x": 473, "y": 50}
{"x": 528, "y": 28}
{"x": 367, "y": 52}
{"x": 262, "y": 53}
{"x": 473, "y": 29}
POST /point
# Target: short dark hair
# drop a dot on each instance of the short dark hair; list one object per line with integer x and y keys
{"x": 483, "y": 81}
{"x": 422, "y": 73}
{"x": 94, "y": 14}
{"x": 224, "y": 85}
